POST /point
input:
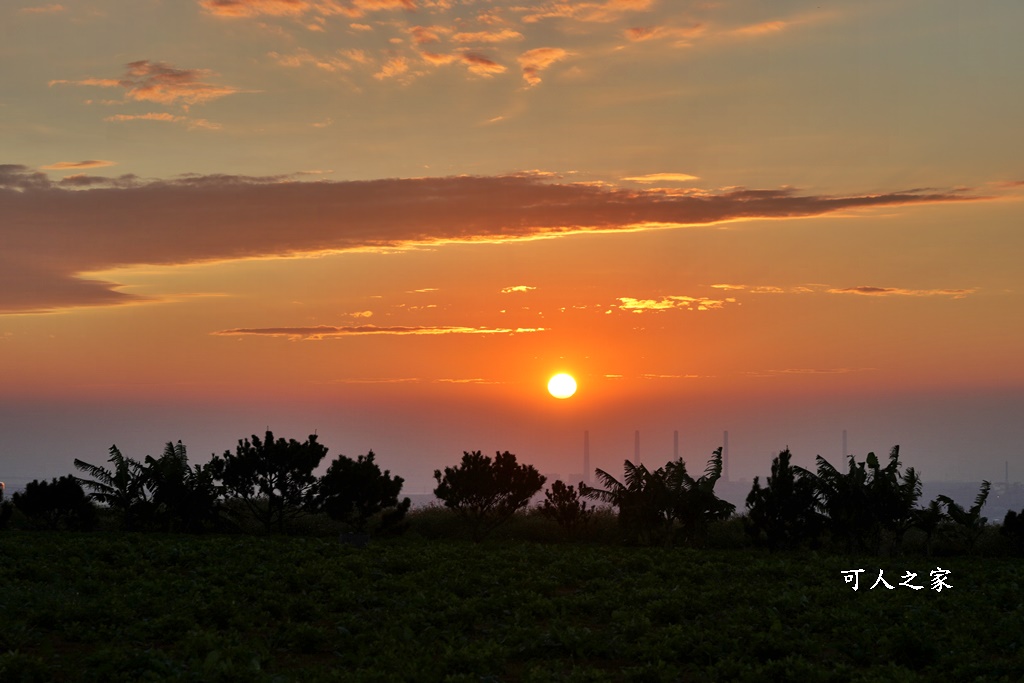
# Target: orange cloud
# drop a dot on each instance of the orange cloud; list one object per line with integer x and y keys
{"x": 603, "y": 12}
{"x": 681, "y": 34}
{"x": 488, "y": 36}
{"x": 147, "y": 81}
{"x": 517, "y": 288}
{"x": 537, "y": 60}
{"x": 165, "y": 117}
{"x": 763, "y": 28}
{"x": 665, "y": 303}
{"x": 396, "y": 66}
{"x": 662, "y": 178}
{"x": 421, "y": 35}
{"x": 43, "y": 9}
{"x": 480, "y": 65}
{"x": 52, "y": 235}
{"x": 296, "y": 8}
{"x": 318, "y": 332}
{"x": 77, "y": 165}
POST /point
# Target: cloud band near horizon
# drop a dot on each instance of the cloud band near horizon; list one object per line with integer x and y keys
{"x": 55, "y": 231}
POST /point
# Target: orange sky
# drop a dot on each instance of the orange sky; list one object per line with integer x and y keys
{"x": 392, "y": 221}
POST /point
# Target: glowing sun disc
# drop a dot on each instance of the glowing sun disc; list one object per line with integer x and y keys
{"x": 562, "y": 385}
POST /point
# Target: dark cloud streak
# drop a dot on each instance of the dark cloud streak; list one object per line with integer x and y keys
{"x": 51, "y": 232}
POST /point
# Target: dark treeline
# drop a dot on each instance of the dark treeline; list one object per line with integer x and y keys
{"x": 268, "y": 485}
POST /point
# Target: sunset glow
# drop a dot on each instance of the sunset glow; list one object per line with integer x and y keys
{"x": 389, "y": 221}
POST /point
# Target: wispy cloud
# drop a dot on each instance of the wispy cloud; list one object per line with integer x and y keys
{"x": 165, "y": 117}
{"x": 667, "y": 303}
{"x": 651, "y": 178}
{"x": 53, "y": 234}
{"x": 501, "y": 36}
{"x": 77, "y": 165}
{"x": 517, "y": 288}
{"x": 607, "y": 11}
{"x": 235, "y": 9}
{"x": 539, "y": 59}
{"x": 159, "y": 82}
{"x": 899, "y": 291}
{"x": 53, "y": 8}
{"x": 319, "y": 332}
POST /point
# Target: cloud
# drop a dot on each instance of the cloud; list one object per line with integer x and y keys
{"x": 763, "y": 28}
{"x": 537, "y": 60}
{"x": 393, "y": 68}
{"x": 517, "y": 288}
{"x": 166, "y": 118}
{"x": 235, "y": 9}
{"x": 54, "y": 235}
{"x": 43, "y": 9}
{"x": 77, "y": 165}
{"x": 481, "y": 65}
{"x": 607, "y": 11}
{"x": 319, "y": 332}
{"x": 662, "y": 178}
{"x": 681, "y": 35}
{"x": 487, "y": 36}
{"x": 897, "y": 291}
{"x": 665, "y": 303}
{"x": 146, "y": 81}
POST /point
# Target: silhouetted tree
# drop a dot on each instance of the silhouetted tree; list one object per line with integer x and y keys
{"x": 693, "y": 501}
{"x": 928, "y": 520}
{"x": 58, "y": 504}
{"x": 969, "y": 524}
{"x": 641, "y": 498}
{"x": 562, "y": 503}
{"x": 784, "y": 510}
{"x": 843, "y": 499}
{"x": 185, "y": 499}
{"x": 893, "y": 495}
{"x": 1013, "y": 529}
{"x": 353, "y": 491}
{"x": 651, "y": 503}
{"x": 122, "y": 489}
{"x": 273, "y": 479}
{"x": 487, "y": 493}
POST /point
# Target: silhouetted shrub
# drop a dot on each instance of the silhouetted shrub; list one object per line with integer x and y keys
{"x": 967, "y": 525}
{"x": 184, "y": 498}
{"x": 354, "y": 491}
{"x": 59, "y": 504}
{"x": 562, "y": 503}
{"x": 6, "y": 509}
{"x": 487, "y": 493}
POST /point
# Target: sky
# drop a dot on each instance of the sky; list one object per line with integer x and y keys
{"x": 389, "y": 222}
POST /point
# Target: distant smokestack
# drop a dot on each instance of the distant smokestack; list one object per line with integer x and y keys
{"x": 675, "y": 445}
{"x": 1007, "y": 475}
{"x": 725, "y": 455}
{"x": 845, "y": 451}
{"x": 636, "y": 446}
{"x": 586, "y": 458}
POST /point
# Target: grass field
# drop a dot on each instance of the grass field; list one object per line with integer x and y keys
{"x": 138, "y": 607}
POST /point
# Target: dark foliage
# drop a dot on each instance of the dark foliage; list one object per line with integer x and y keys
{"x": 866, "y": 500}
{"x": 928, "y": 520}
{"x": 6, "y": 509}
{"x": 273, "y": 479}
{"x": 59, "y": 504}
{"x": 562, "y": 504}
{"x": 1013, "y": 529}
{"x": 664, "y": 504}
{"x": 968, "y": 525}
{"x": 354, "y": 491}
{"x": 784, "y": 511}
{"x": 122, "y": 489}
{"x": 184, "y": 498}
{"x": 487, "y": 492}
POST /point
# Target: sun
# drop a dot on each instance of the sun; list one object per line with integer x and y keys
{"x": 562, "y": 385}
